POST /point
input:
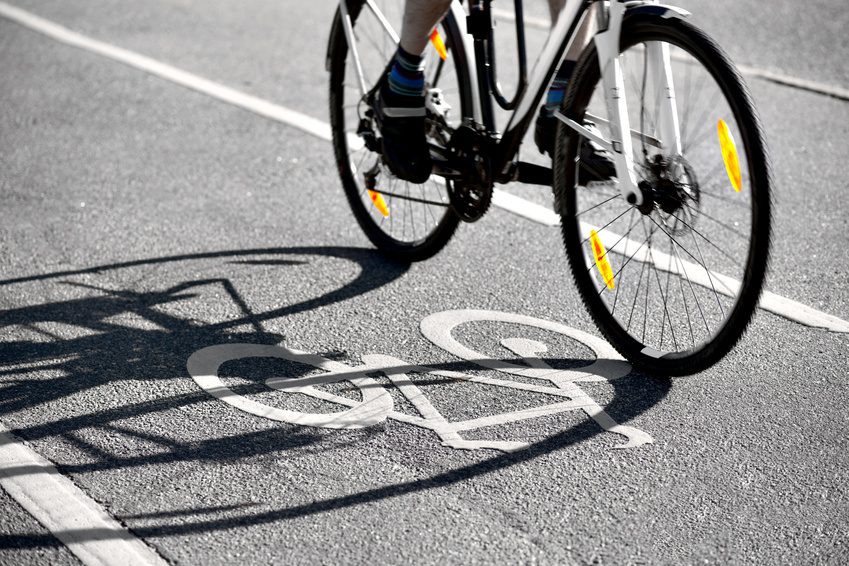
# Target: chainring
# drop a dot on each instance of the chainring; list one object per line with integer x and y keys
{"x": 470, "y": 195}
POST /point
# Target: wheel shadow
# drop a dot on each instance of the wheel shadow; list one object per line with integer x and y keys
{"x": 43, "y": 371}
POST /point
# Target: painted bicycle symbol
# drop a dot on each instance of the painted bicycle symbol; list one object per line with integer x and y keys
{"x": 376, "y": 404}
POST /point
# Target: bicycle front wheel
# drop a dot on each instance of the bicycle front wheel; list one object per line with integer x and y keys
{"x": 406, "y": 221}
{"x": 673, "y": 283}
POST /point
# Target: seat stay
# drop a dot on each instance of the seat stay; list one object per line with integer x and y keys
{"x": 352, "y": 45}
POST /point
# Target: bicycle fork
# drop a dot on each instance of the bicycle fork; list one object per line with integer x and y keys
{"x": 659, "y": 74}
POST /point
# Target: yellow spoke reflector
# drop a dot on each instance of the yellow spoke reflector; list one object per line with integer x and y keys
{"x": 437, "y": 42}
{"x": 377, "y": 199}
{"x": 729, "y": 155}
{"x": 601, "y": 259}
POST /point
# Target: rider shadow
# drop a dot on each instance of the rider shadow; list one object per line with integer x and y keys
{"x": 49, "y": 369}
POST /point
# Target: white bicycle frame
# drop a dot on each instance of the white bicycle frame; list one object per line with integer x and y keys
{"x": 610, "y": 15}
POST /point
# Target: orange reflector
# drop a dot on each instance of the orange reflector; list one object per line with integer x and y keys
{"x": 729, "y": 155}
{"x": 601, "y": 259}
{"x": 377, "y": 199}
{"x": 437, "y": 42}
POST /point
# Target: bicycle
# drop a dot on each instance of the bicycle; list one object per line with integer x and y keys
{"x": 670, "y": 255}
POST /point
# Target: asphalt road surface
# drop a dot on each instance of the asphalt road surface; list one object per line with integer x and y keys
{"x": 171, "y": 261}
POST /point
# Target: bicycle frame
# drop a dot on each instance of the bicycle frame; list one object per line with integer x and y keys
{"x": 479, "y": 109}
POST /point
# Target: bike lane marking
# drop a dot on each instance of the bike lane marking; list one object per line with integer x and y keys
{"x": 70, "y": 515}
{"x": 608, "y": 366}
{"x": 77, "y": 520}
{"x": 376, "y": 405}
{"x": 776, "y": 304}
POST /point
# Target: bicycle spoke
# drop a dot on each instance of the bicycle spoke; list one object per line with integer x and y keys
{"x": 683, "y": 267}
{"x": 663, "y": 301}
{"x": 709, "y": 241}
{"x": 715, "y": 293}
{"x": 725, "y": 225}
{"x": 602, "y": 203}
{"x": 609, "y": 223}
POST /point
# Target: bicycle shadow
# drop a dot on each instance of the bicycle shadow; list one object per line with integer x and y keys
{"x": 45, "y": 366}
{"x": 40, "y": 372}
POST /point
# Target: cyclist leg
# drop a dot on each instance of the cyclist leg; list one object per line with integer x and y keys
{"x": 401, "y": 110}
{"x": 596, "y": 163}
{"x": 546, "y": 123}
{"x": 582, "y": 39}
{"x": 420, "y": 19}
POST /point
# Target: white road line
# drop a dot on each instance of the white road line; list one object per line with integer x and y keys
{"x": 771, "y": 302}
{"x": 804, "y": 84}
{"x": 524, "y": 208}
{"x": 813, "y": 86}
{"x": 257, "y": 105}
{"x": 69, "y": 514}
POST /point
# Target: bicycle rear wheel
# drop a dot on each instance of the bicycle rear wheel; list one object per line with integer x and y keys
{"x": 406, "y": 221}
{"x": 672, "y": 284}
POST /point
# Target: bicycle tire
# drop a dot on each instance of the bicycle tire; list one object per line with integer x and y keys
{"x": 420, "y": 221}
{"x": 685, "y": 314}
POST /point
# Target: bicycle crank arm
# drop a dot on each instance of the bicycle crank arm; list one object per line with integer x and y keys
{"x": 442, "y": 165}
{"x": 532, "y": 174}
{"x": 443, "y": 168}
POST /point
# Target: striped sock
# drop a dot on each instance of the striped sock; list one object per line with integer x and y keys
{"x": 558, "y": 85}
{"x": 406, "y": 79}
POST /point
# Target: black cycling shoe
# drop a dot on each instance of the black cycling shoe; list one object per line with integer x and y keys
{"x": 596, "y": 164}
{"x": 545, "y": 130}
{"x": 404, "y": 145}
